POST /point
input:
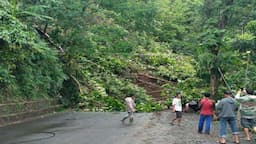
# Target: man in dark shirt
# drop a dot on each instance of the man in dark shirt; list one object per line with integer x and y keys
{"x": 226, "y": 112}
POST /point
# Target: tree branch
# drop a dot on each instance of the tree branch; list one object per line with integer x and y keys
{"x": 48, "y": 39}
{"x": 77, "y": 82}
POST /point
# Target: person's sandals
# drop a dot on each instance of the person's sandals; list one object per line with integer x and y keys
{"x": 218, "y": 141}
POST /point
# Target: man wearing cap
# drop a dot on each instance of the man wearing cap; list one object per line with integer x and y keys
{"x": 226, "y": 112}
{"x": 206, "y": 113}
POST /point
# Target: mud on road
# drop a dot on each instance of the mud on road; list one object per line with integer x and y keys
{"x": 159, "y": 131}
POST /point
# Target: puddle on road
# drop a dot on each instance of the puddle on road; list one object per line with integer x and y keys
{"x": 35, "y": 137}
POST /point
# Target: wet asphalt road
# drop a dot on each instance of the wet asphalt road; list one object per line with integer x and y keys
{"x": 106, "y": 128}
{"x": 74, "y": 128}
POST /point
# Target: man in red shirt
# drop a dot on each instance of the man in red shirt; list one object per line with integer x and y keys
{"x": 206, "y": 113}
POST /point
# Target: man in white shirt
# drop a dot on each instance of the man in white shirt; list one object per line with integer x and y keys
{"x": 130, "y": 108}
{"x": 177, "y": 108}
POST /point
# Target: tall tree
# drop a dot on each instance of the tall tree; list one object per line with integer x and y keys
{"x": 29, "y": 68}
{"x": 221, "y": 51}
{"x": 215, "y": 18}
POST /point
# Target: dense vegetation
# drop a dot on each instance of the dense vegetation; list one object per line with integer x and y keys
{"x": 88, "y": 52}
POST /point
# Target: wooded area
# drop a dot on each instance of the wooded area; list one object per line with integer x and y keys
{"x": 88, "y": 53}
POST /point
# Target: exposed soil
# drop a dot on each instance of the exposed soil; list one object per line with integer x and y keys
{"x": 151, "y": 84}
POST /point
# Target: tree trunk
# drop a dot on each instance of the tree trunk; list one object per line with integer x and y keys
{"x": 215, "y": 77}
{"x": 214, "y": 83}
{"x": 214, "y": 72}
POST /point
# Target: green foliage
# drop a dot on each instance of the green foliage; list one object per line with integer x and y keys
{"x": 96, "y": 102}
{"x": 251, "y": 26}
{"x": 168, "y": 65}
{"x": 149, "y": 107}
{"x": 105, "y": 42}
{"x": 110, "y": 87}
{"x": 111, "y": 39}
{"x": 92, "y": 38}
{"x": 29, "y": 68}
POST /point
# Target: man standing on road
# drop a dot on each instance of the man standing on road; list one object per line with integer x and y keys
{"x": 247, "y": 111}
{"x": 130, "y": 108}
{"x": 226, "y": 112}
{"x": 177, "y": 108}
{"x": 206, "y": 113}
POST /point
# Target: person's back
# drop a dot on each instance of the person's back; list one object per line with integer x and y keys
{"x": 247, "y": 111}
{"x": 248, "y": 106}
{"x": 227, "y": 107}
{"x": 130, "y": 105}
{"x": 207, "y": 106}
{"x": 206, "y": 113}
{"x": 226, "y": 112}
{"x": 130, "y": 108}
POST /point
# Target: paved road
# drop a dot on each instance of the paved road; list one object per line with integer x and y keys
{"x": 106, "y": 128}
{"x": 73, "y": 128}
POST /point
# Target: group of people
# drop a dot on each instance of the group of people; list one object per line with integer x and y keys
{"x": 225, "y": 109}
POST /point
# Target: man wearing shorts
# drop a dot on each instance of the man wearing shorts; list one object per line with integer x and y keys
{"x": 247, "y": 111}
{"x": 177, "y": 108}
